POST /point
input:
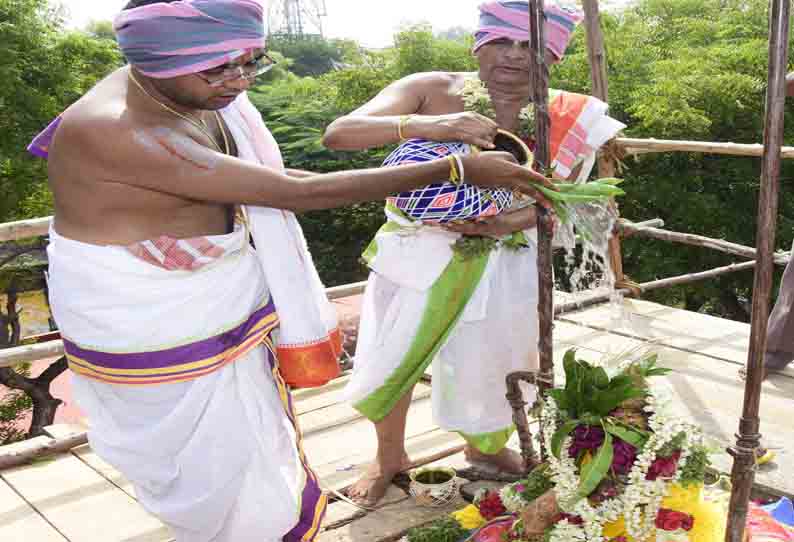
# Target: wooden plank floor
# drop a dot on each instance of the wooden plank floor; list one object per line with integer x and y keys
{"x": 77, "y": 497}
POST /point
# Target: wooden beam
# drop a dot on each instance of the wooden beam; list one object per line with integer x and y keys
{"x": 10, "y": 357}
{"x": 596, "y": 54}
{"x": 641, "y": 146}
{"x": 583, "y": 303}
{"x": 781, "y": 258}
{"x": 22, "y": 229}
{"x": 15, "y": 455}
{"x": 620, "y": 227}
{"x": 748, "y": 439}
{"x": 346, "y": 290}
{"x": 539, "y": 92}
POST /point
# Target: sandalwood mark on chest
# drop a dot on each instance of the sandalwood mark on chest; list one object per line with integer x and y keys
{"x": 181, "y": 147}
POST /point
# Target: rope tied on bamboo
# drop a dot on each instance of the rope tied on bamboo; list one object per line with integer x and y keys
{"x": 615, "y": 153}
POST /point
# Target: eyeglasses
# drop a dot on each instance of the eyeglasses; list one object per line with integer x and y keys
{"x": 505, "y": 43}
{"x": 217, "y": 77}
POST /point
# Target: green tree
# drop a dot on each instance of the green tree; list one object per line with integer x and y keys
{"x": 44, "y": 70}
{"x": 311, "y": 55}
{"x": 101, "y": 30}
{"x": 689, "y": 69}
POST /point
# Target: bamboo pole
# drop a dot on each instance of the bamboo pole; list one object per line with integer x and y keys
{"x": 10, "y": 357}
{"x": 345, "y": 290}
{"x": 641, "y": 146}
{"x": 38, "y": 448}
{"x": 539, "y": 96}
{"x": 596, "y": 54}
{"x": 748, "y": 439}
{"x": 781, "y": 258}
{"x": 22, "y": 229}
{"x": 620, "y": 227}
{"x": 573, "y": 306}
{"x": 539, "y": 87}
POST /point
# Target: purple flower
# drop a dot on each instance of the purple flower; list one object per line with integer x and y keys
{"x": 623, "y": 456}
{"x": 607, "y": 489}
{"x": 520, "y": 488}
{"x": 586, "y": 438}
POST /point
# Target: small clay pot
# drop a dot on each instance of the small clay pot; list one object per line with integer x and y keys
{"x": 509, "y": 142}
{"x": 433, "y": 486}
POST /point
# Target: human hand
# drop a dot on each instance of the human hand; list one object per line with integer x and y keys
{"x": 468, "y": 127}
{"x": 496, "y": 226}
{"x": 500, "y": 170}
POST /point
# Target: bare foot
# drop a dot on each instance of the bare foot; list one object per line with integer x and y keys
{"x": 506, "y": 460}
{"x": 372, "y": 486}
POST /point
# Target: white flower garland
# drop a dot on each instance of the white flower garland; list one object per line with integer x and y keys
{"x": 511, "y": 499}
{"x": 640, "y": 502}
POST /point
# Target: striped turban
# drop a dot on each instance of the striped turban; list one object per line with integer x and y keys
{"x": 510, "y": 19}
{"x": 179, "y": 38}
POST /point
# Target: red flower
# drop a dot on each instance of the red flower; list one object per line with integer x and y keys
{"x": 664, "y": 466}
{"x": 672, "y": 520}
{"x": 491, "y": 506}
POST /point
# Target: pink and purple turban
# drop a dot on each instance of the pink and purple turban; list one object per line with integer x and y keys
{"x": 510, "y": 19}
{"x": 179, "y": 38}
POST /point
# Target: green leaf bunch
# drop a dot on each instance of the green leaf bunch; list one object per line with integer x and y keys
{"x": 566, "y": 194}
{"x": 445, "y": 529}
{"x": 536, "y": 484}
{"x": 588, "y": 398}
{"x": 589, "y": 393}
{"x": 693, "y": 471}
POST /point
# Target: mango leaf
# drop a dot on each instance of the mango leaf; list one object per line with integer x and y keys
{"x": 600, "y": 378}
{"x": 596, "y": 470}
{"x": 609, "y": 401}
{"x": 569, "y": 363}
{"x": 559, "y": 436}
{"x": 561, "y": 398}
{"x": 633, "y": 436}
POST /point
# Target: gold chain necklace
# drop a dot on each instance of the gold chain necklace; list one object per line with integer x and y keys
{"x": 200, "y": 124}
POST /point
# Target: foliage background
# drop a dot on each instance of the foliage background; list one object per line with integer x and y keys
{"x": 678, "y": 69}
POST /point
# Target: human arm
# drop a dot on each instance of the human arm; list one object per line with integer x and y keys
{"x": 299, "y": 173}
{"x": 507, "y": 222}
{"x": 168, "y": 161}
{"x": 499, "y": 225}
{"x": 378, "y": 122}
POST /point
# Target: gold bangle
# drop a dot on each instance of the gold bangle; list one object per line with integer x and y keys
{"x": 454, "y": 174}
{"x": 401, "y": 126}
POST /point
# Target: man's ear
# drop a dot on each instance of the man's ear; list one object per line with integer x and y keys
{"x": 790, "y": 84}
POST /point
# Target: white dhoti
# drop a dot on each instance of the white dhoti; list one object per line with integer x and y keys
{"x": 215, "y": 456}
{"x": 476, "y": 320}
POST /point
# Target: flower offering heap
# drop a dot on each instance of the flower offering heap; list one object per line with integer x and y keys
{"x": 616, "y": 451}
{"x": 621, "y": 466}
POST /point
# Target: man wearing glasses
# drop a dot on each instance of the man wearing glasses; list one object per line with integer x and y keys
{"x": 162, "y": 175}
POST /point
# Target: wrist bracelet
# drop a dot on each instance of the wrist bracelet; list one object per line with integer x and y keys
{"x": 454, "y": 173}
{"x": 461, "y": 171}
{"x": 401, "y": 126}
